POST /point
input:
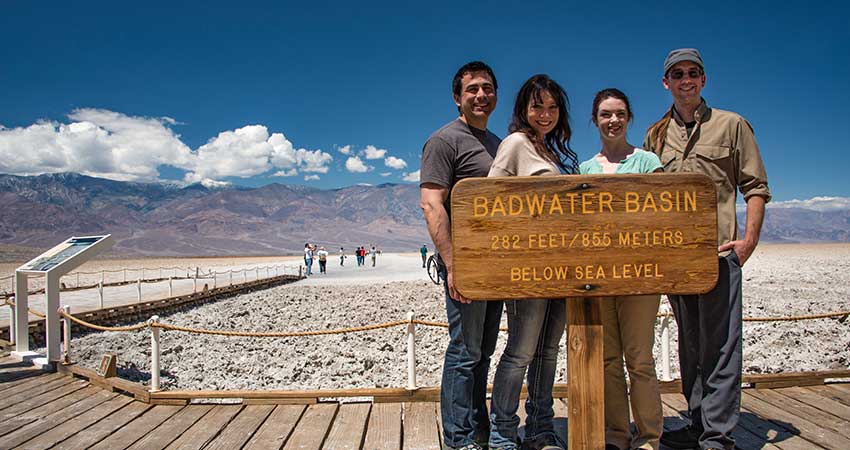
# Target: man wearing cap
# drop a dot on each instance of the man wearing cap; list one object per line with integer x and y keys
{"x": 460, "y": 149}
{"x": 691, "y": 137}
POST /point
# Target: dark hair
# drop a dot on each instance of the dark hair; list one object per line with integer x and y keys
{"x": 474, "y": 66}
{"x": 605, "y": 94}
{"x": 555, "y": 146}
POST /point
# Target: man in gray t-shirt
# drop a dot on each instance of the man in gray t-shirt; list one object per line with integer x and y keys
{"x": 461, "y": 149}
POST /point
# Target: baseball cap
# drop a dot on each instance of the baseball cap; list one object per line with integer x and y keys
{"x": 683, "y": 54}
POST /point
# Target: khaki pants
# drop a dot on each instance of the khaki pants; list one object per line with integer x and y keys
{"x": 629, "y": 331}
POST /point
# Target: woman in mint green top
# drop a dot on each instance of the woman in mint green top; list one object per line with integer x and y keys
{"x": 628, "y": 323}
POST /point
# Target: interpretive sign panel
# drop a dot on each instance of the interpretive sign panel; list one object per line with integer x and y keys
{"x": 584, "y": 235}
{"x": 66, "y": 251}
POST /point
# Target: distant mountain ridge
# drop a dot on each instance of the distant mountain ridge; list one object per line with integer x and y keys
{"x": 157, "y": 219}
{"x": 168, "y": 220}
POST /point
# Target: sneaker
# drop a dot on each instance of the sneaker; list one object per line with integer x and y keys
{"x": 472, "y": 446}
{"x": 682, "y": 438}
{"x": 544, "y": 442}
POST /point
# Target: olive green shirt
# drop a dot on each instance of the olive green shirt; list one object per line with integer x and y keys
{"x": 721, "y": 145}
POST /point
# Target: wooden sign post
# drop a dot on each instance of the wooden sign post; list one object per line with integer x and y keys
{"x": 583, "y": 237}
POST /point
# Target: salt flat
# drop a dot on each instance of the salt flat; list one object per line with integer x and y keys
{"x": 779, "y": 281}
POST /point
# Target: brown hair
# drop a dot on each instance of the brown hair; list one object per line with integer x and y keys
{"x": 606, "y": 94}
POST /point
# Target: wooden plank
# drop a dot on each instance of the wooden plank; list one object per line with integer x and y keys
{"x": 170, "y": 402}
{"x": 12, "y": 424}
{"x": 830, "y": 391}
{"x": 240, "y": 429}
{"x": 60, "y": 432}
{"x": 420, "y": 426}
{"x": 44, "y": 398}
{"x": 313, "y": 427}
{"x": 280, "y": 401}
{"x": 138, "y": 390}
{"x": 134, "y": 430}
{"x": 55, "y": 419}
{"x": 821, "y": 402}
{"x": 349, "y": 427}
{"x": 23, "y": 384}
{"x": 807, "y": 429}
{"x": 673, "y": 419}
{"x": 205, "y": 429}
{"x": 171, "y": 429}
{"x": 276, "y": 429}
{"x": 801, "y": 378}
{"x": 842, "y": 386}
{"x": 384, "y": 430}
{"x": 786, "y": 403}
{"x": 585, "y": 377}
{"x": 103, "y": 428}
{"x": 11, "y": 380}
{"x": 745, "y": 437}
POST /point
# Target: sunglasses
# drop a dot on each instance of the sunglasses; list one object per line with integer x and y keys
{"x": 679, "y": 74}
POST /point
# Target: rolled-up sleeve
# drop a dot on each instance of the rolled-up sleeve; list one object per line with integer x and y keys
{"x": 752, "y": 177}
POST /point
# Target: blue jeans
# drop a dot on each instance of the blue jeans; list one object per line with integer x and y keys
{"x": 473, "y": 330}
{"x": 535, "y": 328}
{"x": 309, "y": 263}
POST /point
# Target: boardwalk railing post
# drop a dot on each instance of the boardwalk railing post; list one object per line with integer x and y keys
{"x": 665, "y": 345}
{"x": 124, "y": 280}
{"x": 411, "y": 352}
{"x": 139, "y": 290}
{"x": 11, "y": 323}
{"x": 101, "y": 278}
{"x": 78, "y": 280}
{"x": 66, "y": 357}
{"x": 170, "y": 287}
{"x": 154, "y": 354}
{"x": 195, "y": 282}
{"x": 230, "y": 273}
{"x": 215, "y": 278}
{"x": 100, "y": 292}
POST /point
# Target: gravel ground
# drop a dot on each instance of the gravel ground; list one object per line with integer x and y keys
{"x": 779, "y": 281}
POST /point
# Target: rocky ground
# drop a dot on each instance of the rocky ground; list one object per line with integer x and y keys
{"x": 779, "y": 281}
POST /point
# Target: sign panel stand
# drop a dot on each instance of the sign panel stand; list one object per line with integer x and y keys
{"x": 52, "y": 265}
{"x": 584, "y": 237}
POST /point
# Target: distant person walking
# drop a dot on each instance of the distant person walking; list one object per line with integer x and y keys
{"x": 308, "y": 258}
{"x": 341, "y": 257}
{"x": 374, "y": 253}
{"x": 424, "y": 253}
{"x": 323, "y": 261}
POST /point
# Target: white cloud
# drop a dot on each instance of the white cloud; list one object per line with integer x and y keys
{"x": 412, "y": 176}
{"x": 286, "y": 173}
{"x": 374, "y": 153}
{"x": 355, "y": 165}
{"x": 109, "y": 144}
{"x": 311, "y": 177}
{"x": 386, "y": 174}
{"x": 395, "y": 163}
{"x": 96, "y": 142}
{"x": 345, "y": 150}
{"x": 815, "y": 204}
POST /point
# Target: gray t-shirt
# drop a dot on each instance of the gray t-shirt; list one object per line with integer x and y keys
{"x": 454, "y": 152}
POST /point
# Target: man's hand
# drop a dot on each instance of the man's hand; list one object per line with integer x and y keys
{"x": 450, "y": 282}
{"x": 742, "y": 248}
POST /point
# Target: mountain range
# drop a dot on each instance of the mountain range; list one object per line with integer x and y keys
{"x": 158, "y": 219}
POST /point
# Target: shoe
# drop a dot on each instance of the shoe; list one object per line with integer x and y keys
{"x": 682, "y": 438}
{"x": 472, "y": 446}
{"x": 544, "y": 442}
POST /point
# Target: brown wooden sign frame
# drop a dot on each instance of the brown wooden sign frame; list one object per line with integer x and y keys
{"x": 584, "y": 235}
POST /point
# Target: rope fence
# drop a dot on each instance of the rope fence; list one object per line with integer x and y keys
{"x": 155, "y": 326}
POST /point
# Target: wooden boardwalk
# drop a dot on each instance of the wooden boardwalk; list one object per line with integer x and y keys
{"x": 50, "y": 410}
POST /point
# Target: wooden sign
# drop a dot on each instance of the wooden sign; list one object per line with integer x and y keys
{"x": 108, "y": 366}
{"x": 584, "y": 235}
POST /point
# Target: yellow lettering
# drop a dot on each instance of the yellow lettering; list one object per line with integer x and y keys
{"x": 691, "y": 201}
{"x": 632, "y": 202}
{"x": 526, "y": 274}
{"x": 498, "y": 205}
{"x": 625, "y": 239}
{"x": 586, "y": 200}
{"x": 561, "y": 272}
{"x": 666, "y": 202}
{"x": 514, "y": 200}
{"x": 572, "y": 197}
{"x": 679, "y": 237}
{"x": 649, "y": 202}
{"x": 535, "y": 204}
{"x": 600, "y": 272}
{"x": 605, "y": 199}
{"x": 516, "y": 274}
{"x": 657, "y": 273}
{"x": 548, "y": 273}
{"x": 556, "y": 204}
{"x": 479, "y": 206}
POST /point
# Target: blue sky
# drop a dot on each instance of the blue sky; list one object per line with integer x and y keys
{"x": 254, "y": 93}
